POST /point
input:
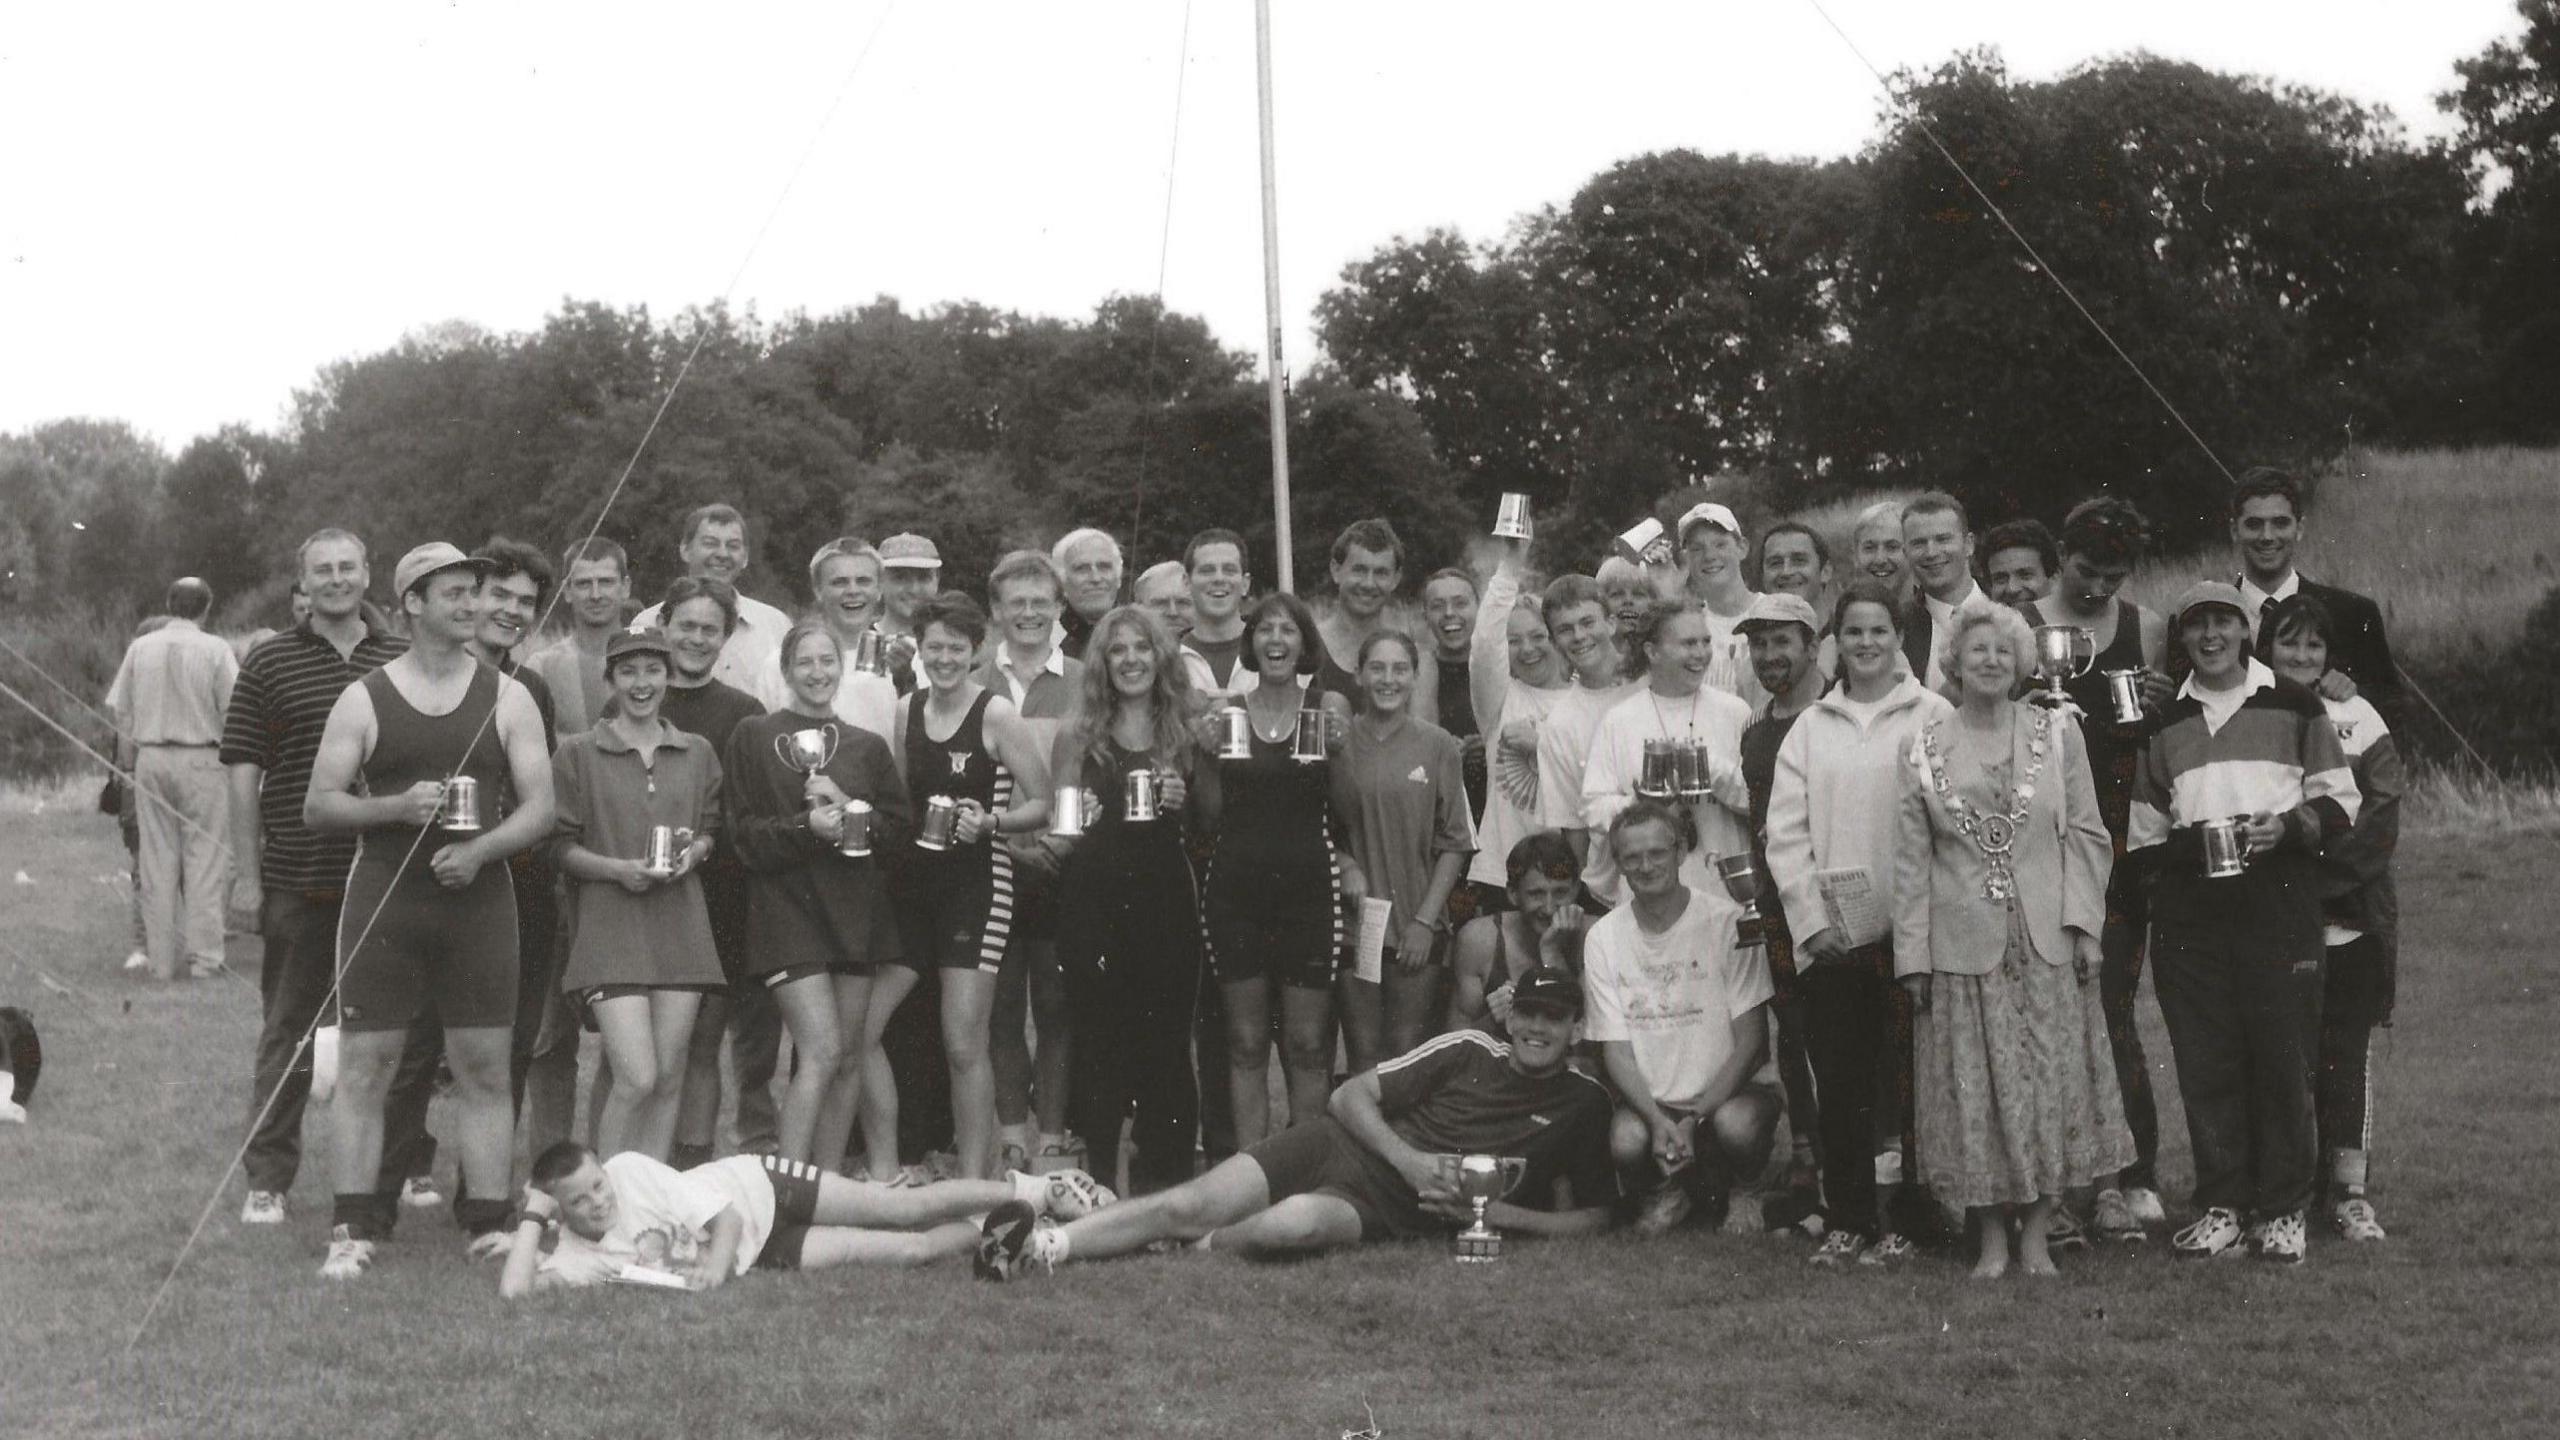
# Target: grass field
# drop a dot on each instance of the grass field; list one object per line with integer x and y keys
{"x": 2450, "y": 1328}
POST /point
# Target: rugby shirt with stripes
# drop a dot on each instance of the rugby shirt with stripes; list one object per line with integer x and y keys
{"x": 2275, "y": 753}
{"x": 278, "y": 710}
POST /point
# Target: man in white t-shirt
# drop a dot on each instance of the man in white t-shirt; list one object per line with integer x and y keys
{"x": 1579, "y": 626}
{"x": 1681, "y": 1019}
{"x": 632, "y": 1218}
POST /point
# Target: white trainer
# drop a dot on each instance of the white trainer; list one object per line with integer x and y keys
{"x": 1073, "y": 1194}
{"x": 263, "y": 1207}
{"x": 348, "y": 1258}
{"x": 420, "y": 1193}
{"x": 2145, "y": 1204}
{"x": 2355, "y": 1219}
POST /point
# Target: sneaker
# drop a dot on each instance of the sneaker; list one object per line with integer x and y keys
{"x": 1004, "y": 1242}
{"x": 263, "y": 1207}
{"x": 2063, "y": 1231}
{"x": 2355, "y": 1219}
{"x": 420, "y": 1193}
{"x": 2215, "y": 1233}
{"x": 2145, "y": 1204}
{"x": 1066, "y": 1154}
{"x": 1011, "y": 1158}
{"x": 2283, "y": 1239}
{"x": 2113, "y": 1219}
{"x": 911, "y": 1177}
{"x": 137, "y": 961}
{"x": 941, "y": 1165}
{"x": 490, "y": 1245}
{"x": 1073, "y": 1194}
{"x": 1839, "y": 1248}
{"x": 348, "y": 1256}
{"x": 1663, "y": 1210}
{"x": 1890, "y": 1248}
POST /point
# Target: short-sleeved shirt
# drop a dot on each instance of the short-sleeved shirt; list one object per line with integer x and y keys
{"x": 279, "y": 708}
{"x": 1405, "y": 800}
{"x": 1564, "y": 750}
{"x": 1460, "y": 1094}
{"x": 1672, "y": 997}
{"x": 1511, "y": 786}
{"x": 173, "y": 685}
{"x": 662, "y": 1217}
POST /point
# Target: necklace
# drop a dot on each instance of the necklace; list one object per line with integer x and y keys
{"x": 1994, "y": 833}
{"x": 1663, "y": 722}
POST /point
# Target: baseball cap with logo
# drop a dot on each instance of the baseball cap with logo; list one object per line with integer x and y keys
{"x": 429, "y": 559}
{"x": 909, "y": 551}
{"x": 1710, "y": 513}
{"x": 1779, "y": 607}
{"x": 637, "y": 640}
{"x": 1545, "y": 985}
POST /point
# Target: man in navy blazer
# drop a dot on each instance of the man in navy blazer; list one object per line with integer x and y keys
{"x": 2266, "y": 527}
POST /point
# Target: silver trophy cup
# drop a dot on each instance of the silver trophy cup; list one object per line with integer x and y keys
{"x": 1069, "y": 809}
{"x": 856, "y": 841}
{"x": 1741, "y": 879}
{"x": 2061, "y": 654}
{"x": 1481, "y": 1180}
{"x": 1511, "y": 521}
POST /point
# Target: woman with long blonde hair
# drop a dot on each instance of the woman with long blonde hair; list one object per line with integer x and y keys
{"x": 1128, "y": 906}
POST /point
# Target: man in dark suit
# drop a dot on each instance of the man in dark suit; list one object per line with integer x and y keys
{"x": 2266, "y": 527}
{"x": 1937, "y": 543}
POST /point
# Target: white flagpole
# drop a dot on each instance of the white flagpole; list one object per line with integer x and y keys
{"x": 1271, "y": 302}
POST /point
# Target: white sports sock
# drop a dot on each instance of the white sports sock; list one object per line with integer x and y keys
{"x": 1049, "y": 1245}
{"x": 1031, "y": 1190}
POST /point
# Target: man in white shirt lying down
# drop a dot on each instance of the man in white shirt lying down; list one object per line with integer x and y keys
{"x": 630, "y": 1216}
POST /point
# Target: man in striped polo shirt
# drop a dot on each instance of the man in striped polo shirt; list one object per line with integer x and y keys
{"x": 295, "y": 880}
{"x": 2237, "y": 958}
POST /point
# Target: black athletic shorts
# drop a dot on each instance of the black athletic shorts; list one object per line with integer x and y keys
{"x": 1320, "y": 1157}
{"x": 412, "y": 947}
{"x": 1287, "y": 929}
{"x": 795, "y": 1209}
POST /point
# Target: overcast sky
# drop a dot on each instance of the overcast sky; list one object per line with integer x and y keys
{"x": 200, "y": 205}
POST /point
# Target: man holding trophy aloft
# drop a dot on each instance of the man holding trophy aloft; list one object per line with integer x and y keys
{"x": 1391, "y": 1160}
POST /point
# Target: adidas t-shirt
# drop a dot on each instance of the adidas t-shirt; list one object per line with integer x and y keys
{"x": 1404, "y": 798}
{"x": 1460, "y": 1094}
{"x": 662, "y": 1217}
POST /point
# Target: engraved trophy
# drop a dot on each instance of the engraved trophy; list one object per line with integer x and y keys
{"x": 1511, "y": 519}
{"x": 2063, "y": 652}
{"x": 1741, "y": 879}
{"x": 1481, "y": 1180}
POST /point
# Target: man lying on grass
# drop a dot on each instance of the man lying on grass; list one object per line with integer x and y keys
{"x": 1369, "y": 1169}
{"x": 704, "y": 1225}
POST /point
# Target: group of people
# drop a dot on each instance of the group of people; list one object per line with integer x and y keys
{"x": 1611, "y": 873}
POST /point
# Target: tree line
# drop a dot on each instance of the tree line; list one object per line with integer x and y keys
{"x": 2287, "y": 267}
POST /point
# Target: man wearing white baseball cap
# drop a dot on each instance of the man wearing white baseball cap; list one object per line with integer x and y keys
{"x": 1712, "y": 550}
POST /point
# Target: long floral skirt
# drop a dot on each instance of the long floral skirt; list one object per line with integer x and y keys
{"x": 2017, "y": 1086}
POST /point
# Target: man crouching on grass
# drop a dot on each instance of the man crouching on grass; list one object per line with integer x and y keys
{"x": 704, "y": 1225}
{"x": 1369, "y": 1169}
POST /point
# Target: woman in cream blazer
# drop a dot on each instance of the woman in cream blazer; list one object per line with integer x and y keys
{"x": 2000, "y": 879}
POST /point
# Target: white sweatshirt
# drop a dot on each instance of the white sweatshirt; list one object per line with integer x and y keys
{"x": 1832, "y": 805}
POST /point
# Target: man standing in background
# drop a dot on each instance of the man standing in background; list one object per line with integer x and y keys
{"x": 715, "y": 548}
{"x": 1089, "y": 559}
{"x": 169, "y": 695}
{"x": 295, "y": 880}
{"x": 597, "y": 590}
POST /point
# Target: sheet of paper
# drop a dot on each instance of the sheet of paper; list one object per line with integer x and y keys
{"x": 1368, "y": 952}
{"x": 1856, "y": 909}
